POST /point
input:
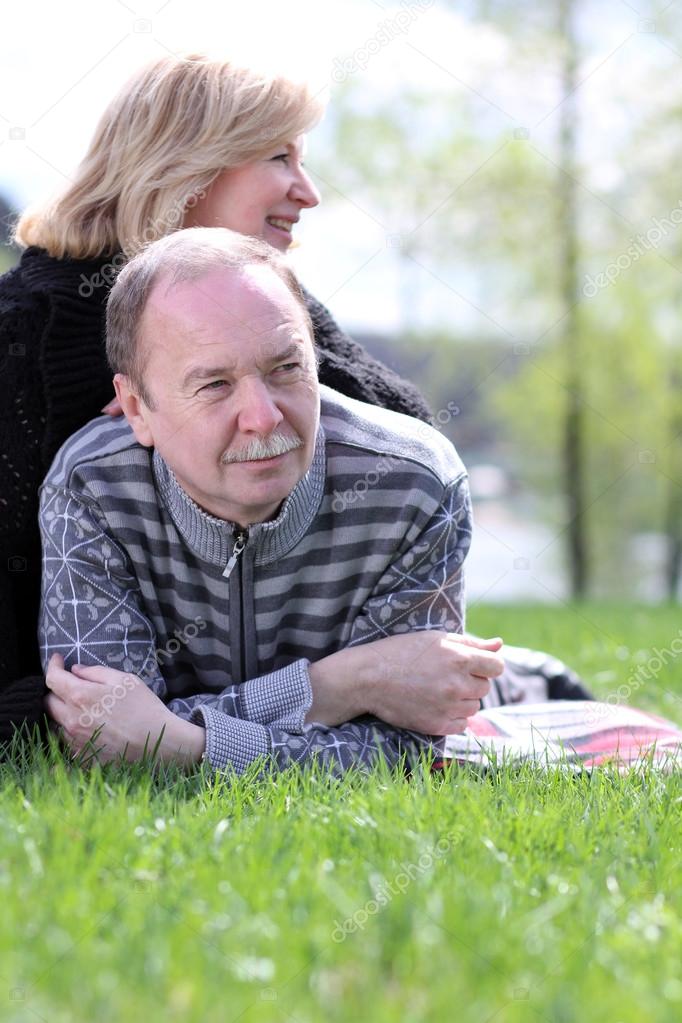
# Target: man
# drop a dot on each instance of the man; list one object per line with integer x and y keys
{"x": 250, "y": 563}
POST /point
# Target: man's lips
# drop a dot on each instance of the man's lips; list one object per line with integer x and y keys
{"x": 262, "y": 463}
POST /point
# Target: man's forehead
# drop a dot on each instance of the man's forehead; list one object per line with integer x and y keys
{"x": 253, "y": 281}
{"x": 251, "y": 310}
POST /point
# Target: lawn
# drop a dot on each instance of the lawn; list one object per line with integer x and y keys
{"x": 524, "y": 895}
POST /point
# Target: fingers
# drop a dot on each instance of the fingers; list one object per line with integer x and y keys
{"x": 466, "y": 708}
{"x": 457, "y": 726}
{"x": 113, "y": 408}
{"x": 486, "y": 665}
{"x": 55, "y": 708}
{"x": 98, "y": 673}
{"x": 56, "y": 661}
{"x": 478, "y": 687}
{"x": 481, "y": 644}
{"x": 58, "y": 679}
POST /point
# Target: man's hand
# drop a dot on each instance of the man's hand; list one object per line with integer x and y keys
{"x": 428, "y": 681}
{"x": 432, "y": 681}
{"x": 126, "y": 715}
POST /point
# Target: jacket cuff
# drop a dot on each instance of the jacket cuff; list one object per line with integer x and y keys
{"x": 281, "y": 698}
{"x": 230, "y": 741}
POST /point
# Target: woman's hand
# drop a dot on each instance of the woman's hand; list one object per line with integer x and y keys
{"x": 113, "y": 408}
{"x": 128, "y": 718}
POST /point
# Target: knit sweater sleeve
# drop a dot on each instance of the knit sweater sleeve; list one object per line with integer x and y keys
{"x": 349, "y": 368}
{"x": 91, "y": 601}
{"x": 91, "y": 611}
{"x": 361, "y": 743}
{"x": 424, "y": 587}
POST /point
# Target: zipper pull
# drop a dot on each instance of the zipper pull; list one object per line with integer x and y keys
{"x": 241, "y": 536}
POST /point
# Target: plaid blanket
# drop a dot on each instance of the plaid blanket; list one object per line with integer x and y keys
{"x": 579, "y": 733}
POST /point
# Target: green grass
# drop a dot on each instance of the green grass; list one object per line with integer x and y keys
{"x": 525, "y": 895}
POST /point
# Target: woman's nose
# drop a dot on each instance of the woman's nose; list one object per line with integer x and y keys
{"x": 304, "y": 191}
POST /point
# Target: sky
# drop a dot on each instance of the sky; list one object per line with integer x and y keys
{"x": 61, "y": 63}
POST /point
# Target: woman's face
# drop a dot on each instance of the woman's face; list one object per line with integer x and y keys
{"x": 263, "y": 198}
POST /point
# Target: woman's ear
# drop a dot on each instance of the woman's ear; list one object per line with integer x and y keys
{"x": 134, "y": 409}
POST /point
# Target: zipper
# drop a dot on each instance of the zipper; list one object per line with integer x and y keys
{"x": 241, "y": 537}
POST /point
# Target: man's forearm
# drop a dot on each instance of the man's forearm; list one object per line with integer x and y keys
{"x": 341, "y": 685}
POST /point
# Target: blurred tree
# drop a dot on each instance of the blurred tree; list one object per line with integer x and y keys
{"x": 657, "y": 147}
{"x": 8, "y": 253}
{"x": 577, "y": 389}
{"x": 396, "y": 160}
{"x": 574, "y": 468}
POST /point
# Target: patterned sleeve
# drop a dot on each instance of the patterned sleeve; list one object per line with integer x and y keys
{"x": 361, "y": 743}
{"x": 91, "y": 613}
{"x": 424, "y": 588}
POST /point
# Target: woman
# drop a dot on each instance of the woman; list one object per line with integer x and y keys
{"x": 187, "y": 141}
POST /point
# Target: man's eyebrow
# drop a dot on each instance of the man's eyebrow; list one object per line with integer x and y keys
{"x": 198, "y": 373}
{"x": 286, "y": 353}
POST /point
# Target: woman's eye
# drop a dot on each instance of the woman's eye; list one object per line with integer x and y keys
{"x": 281, "y": 156}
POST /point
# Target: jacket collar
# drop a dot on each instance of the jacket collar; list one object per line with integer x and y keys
{"x": 212, "y": 539}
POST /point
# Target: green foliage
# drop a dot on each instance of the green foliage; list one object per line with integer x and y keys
{"x": 8, "y": 258}
{"x": 627, "y": 385}
{"x": 476, "y": 203}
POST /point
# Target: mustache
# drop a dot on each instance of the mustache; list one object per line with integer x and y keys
{"x": 270, "y": 447}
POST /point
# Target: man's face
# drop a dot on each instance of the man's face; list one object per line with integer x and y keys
{"x": 231, "y": 372}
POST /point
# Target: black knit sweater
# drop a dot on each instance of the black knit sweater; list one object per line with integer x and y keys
{"x": 54, "y": 378}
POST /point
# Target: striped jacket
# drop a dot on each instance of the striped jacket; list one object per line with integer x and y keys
{"x": 223, "y": 624}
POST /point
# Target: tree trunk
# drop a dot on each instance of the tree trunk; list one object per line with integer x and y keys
{"x": 574, "y": 469}
{"x": 673, "y": 498}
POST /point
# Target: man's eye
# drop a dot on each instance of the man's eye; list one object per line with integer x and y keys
{"x": 214, "y": 385}
{"x": 286, "y": 367}
{"x": 280, "y": 156}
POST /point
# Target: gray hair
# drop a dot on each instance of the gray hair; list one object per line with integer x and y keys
{"x": 180, "y": 257}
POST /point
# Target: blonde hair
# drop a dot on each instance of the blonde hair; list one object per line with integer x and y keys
{"x": 170, "y": 131}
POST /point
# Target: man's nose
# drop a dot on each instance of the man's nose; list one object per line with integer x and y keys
{"x": 303, "y": 190}
{"x": 258, "y": 413}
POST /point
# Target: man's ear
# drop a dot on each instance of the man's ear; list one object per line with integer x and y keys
{"x": 134, "y": 409}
